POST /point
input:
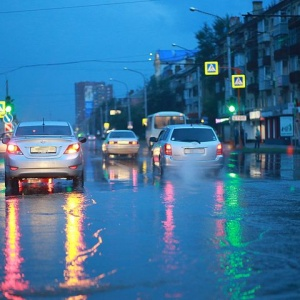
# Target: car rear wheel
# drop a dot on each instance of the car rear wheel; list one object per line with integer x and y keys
{"x": 78, "y": 182}
{"x": 11, "y": 185}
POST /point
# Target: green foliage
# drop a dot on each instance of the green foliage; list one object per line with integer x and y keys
{"x": 161, "y": 97}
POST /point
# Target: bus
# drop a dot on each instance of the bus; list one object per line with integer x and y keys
{"x": 159, "y": 120}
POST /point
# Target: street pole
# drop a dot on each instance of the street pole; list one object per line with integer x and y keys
{"x": 198, "y": 83}
{"x": 127, "y": 98}
{"x": 145, "y": 90}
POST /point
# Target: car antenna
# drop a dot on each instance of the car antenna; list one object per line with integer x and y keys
{"x": 43, "y": 125}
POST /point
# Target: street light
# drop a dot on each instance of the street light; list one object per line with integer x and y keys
{"x": 198, "y": 82}
{"x": 227, "y": 42}
{"x": 128, "y": 101}
{"x": 145, "y": 89}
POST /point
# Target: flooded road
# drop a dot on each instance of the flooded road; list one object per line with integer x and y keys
{"x": 132, "y": 235}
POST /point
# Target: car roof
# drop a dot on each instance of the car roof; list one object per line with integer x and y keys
{"x": 46, "y": 123}
{"x": 176, "y": 126}
{"x": 121, "y": 130}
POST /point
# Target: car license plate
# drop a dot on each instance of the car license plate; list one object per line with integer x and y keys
{"x": 123, "y": 142}
{"x": 43, "y": 150}
{"x": 193, "y": 150}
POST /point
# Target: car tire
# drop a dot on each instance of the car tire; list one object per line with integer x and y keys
{"x": 78, "y": 182}
{"x": 11, "y": 185}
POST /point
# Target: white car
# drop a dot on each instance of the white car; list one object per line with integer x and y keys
{"x": 194, "y": 146}
{"x": 120, "y": 142}
{"x": 43, "y": 149}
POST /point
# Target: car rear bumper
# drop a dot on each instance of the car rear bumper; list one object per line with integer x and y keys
{"x": 169, "y": 162}
{"x": 122, "y": 150}
{"x": 21, "y": 167}
{"x": 45, "y": 173}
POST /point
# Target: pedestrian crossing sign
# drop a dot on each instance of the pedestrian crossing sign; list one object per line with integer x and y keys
{"x": 2, "y": 109}
{"x": 238, "y": 81}
{"x": 211, "y": 68}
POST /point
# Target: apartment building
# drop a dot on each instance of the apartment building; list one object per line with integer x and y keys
{"x": 89, "y": 97}
{"x": 263, "y": 45}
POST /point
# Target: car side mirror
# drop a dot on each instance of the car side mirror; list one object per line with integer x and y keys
{"x": 153, "y": 139}
{"x": 82, "y": 139}
{"x": 5, "y": 140}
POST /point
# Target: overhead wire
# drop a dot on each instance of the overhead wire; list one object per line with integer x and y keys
{"x": 75, "y": 7}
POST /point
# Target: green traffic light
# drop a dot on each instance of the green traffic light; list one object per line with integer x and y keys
{"x": 231, "y": 108}
{"x": 8, "y": 109}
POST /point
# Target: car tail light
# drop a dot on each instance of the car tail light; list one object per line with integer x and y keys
{"x": 219, "y": 149}
{"x": 168, "y": 149}
{"x": 133, "y": 143}
{"x": 13, "y": 149}
{"x": 112, "y": 142}
{"x": 74, "y": 148}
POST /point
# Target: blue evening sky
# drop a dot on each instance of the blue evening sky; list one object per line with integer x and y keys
{"x": 48, "y": 45}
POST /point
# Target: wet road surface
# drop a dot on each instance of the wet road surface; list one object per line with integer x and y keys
{"x": 132, "y": 235}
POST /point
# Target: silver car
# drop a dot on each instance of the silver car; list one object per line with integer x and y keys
{"x": 120, "y": 142}
{"x": 195, "y": 146}
{"x": 43, "y": 149}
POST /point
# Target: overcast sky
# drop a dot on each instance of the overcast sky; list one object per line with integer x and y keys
{"x": 47, "y": 46}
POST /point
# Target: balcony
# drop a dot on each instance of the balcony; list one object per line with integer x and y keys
{"x": 281, "y": 54}
{"x": 294, "y": 49}
{"x": 294, "y": 22}
{"x": 188, "y": 85}
{"x": 280, "y": 29}
{"x": 252, "y": 88}
{"x": 282, "y": 80}
{"x": 295, "y": 77}
{"x": 252, "y": 65}
{"x": 263, "y": 38}
{"x": 265, "y": 85}
{"x": 264, "y": 61}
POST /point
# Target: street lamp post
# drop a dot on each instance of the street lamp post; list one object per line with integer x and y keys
{"x": 145, "y": 89}
{"x": 128, "y": 100}
{"x": 227, "y": 43}
{"x": 229, "y": 67}
{"x": 198, "y": 83}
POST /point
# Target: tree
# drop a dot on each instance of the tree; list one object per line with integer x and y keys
{"x": 161, "y": 97}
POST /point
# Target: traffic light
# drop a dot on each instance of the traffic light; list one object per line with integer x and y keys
{"x": 8, "y": 105}
{"x": 231, "y": 105}
{"x": 231, "y": 108}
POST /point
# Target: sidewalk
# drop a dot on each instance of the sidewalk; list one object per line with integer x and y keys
{"x": 264, "y": 148}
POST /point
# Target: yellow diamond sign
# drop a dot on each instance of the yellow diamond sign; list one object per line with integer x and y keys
{"x": 2, "y": 109}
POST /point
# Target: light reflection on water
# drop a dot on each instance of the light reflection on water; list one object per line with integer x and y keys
{"x": 15, "y": 286}
{"x": 233, "y": 259}
{"x": 14, "y": 279}
{"x": 264, "y": 165}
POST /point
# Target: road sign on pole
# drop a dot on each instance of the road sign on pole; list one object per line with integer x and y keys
{"x": 8, "y": 127}
{"x": 239, "y": 118}
{"x": 211, "y": 68}
{"x": 2, "y": 109}
{"x": 238, "y": 81}
{"x": 8, "y": 118}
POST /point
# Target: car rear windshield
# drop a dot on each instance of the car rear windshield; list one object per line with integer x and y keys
{"x": 120, "y": 134}
{"x": 193, "y": 135}
{"x": 43, "y": 130}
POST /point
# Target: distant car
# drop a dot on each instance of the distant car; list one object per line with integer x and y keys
{"x": 43, "y": 149}
{"x": 194, "y": 145}
{"x": 120, "y": 142}
{"x": 91, "y": 137}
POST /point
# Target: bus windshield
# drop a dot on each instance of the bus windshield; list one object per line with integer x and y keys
{"x": 162, "y": 121}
